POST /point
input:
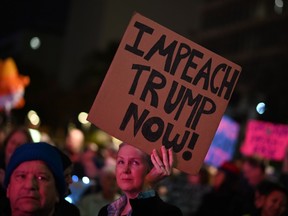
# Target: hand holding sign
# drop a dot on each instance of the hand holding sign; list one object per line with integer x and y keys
{"x": 162, "y": 167}
{"x": 169, "y": 92}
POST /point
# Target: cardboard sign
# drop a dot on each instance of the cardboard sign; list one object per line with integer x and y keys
{"x": 163, "y": 89}
{"x": 224, "y": 143}
{"x": 265, "y": 139}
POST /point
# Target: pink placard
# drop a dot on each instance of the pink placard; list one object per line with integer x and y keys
{"x": 265, "y": 139}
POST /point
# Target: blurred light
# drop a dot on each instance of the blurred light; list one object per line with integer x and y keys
{"x": 69, "y": 199}
{"x": 35, "y": 134}
{"x": 85, "y": 180}
{"x": 101, "y": 137}
{"x": 279, "y": 3}
{"x": 75, "y": 178}
{"x": 82, "y": 118}
{"x": 212, "y": 170}
{"x": 35, "y": 43}
{"x": 260, "y": 108}
{"x": 270, "y": 170}
{"x": 278, "y": 6}
{"x": 33, "y": 118}
{"x": 116, "y": 141}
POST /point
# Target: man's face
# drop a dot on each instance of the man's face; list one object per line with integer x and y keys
{"x": 274, "y": 204}
{"x": 32, "y": 189}
{"x": 254, "y": 175}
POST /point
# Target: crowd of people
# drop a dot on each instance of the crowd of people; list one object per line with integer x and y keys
{"x": 36, "y": 177}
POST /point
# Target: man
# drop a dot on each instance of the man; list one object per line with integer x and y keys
{"x": 34, "y": 180}
{"x": 253, "y": 173}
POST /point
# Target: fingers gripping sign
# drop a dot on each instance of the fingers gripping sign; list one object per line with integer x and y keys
{"x": 162, "y": 166}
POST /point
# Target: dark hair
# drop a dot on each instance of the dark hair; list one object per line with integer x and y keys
{"x": 21, "y": 129}
{"x": 204, "y": 176}
{"x": 267, "y": 186}
{"x": 66, "y": 161}
{"x": 255, "y": 162}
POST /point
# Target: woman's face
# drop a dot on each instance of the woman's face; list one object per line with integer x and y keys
{"x": 131, "y": 169}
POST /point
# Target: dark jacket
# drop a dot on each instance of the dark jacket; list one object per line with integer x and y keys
{"x": 62, "y": 208}
{"x": 66, "y": 208}
{"x": 152, "y": 206}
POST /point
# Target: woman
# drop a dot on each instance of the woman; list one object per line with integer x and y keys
{"x": 134, "y": 171}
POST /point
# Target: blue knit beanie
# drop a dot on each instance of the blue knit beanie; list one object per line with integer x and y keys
{"x": 38, "y": 151}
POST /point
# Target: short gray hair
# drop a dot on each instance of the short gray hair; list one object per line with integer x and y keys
{"x": 146, "y": 156}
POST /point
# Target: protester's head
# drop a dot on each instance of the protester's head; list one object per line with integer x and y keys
{"x": 271, "y": 198}
{"x": 253, "y": 170}
{"x": 15, "y": 138}
{"x": 132, "y": 165}
{"x": 107, "y": 181}
{"x": 34, "y": 179}
{"x": 227, "y": 175}
{"x": 202, "y": 177}
{"x": 74, "y": 142}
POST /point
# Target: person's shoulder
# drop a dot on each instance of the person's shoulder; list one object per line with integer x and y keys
{"x": 171, "y": 209}
{"x": 66, "y": 208}
{"x": 166, "y": 208}
{"x": 103, "y": 211}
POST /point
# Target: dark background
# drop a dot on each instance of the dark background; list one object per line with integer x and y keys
{"x": 79, "y": 39}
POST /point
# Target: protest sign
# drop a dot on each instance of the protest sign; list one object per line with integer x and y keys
{"x": 224, "y": 143}
{"x": 163, "y": 89}
{"x": 265, "y": 139}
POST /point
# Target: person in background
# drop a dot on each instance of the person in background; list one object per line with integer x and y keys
{"x": 186, "y": 191}
{"x": 90, "y": 204}
{"x": 134, "y": 170}
{"x": 253, "y": 170}
{"x": 63, "y": 207}
{"x": 16, "y": 137}
{"x": 91, "y": 161}
{"x": 74, "y": 147}
{"x": 271, "y": 199}
{"x": 224, "y": 199}
{"x": 74, "y": 144}
{"x": 34, "y": 180}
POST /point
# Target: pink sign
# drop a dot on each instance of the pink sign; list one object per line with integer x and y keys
{"x": 265, "y": 139}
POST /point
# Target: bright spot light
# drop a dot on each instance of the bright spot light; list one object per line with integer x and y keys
{"x": 69, "y": 199}
{"x": 35, "y": 43}
{"x": 279, "y": 3}
{"x": 270, "y": 170}
{"x": 35, "y": 134}
{"x": 85, "y": 180}
{"x": 75, "y": 178}
{"x": 260, "y": 108}
{"x": 33, "y": 118}
{"x": 278, "y": 6}
{"x": 30, "y": 113}
{"x": 82, "y": 118}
